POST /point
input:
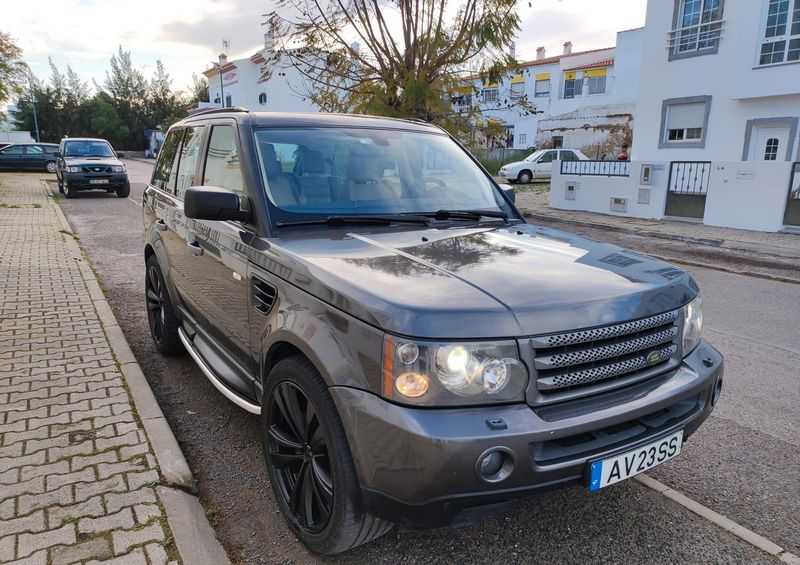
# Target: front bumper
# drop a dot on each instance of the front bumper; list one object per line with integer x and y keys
{"x": 83, "y": 181}
{"x": 417, "y": 467}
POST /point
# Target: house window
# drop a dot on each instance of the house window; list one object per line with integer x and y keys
{"x": 517, "y": 89}
{"x": 262, "y": 98}
{"x": 771, "y": 153}
{"x": 523, "y": 139}
{"x": 228, "y": 101}
{"x": 542, "y": 88}
{"x": 573, "y": 86}
{"x": 781, "y": 39}
{"x": 597, "y": 85}
{"x": 684, "y": 122}
{"x": 490, "y": 95}
{"x": 697, "y": 26}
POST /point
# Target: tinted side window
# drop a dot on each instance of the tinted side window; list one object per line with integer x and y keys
{"x": 13, "y": 150}
{"x": 547, "y": 157}
{"x": 222, "y": 160}
{"x": 33, "y": 150}
{"x": 189, "y": 153}
{"x": 162, "y": 173}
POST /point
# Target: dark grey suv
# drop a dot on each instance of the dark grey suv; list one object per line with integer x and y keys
{"x": 90, "y": 164}
{"x": 418, "y": 354}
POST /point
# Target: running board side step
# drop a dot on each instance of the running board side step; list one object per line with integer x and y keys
{"x": 233, "y": 397}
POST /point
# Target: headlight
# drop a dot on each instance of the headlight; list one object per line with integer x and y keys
{"x": 73, "y": 169}
{"x": 692, "y": 325}
{"x": 447, "y": 374}
{"x": 118, "y": 168}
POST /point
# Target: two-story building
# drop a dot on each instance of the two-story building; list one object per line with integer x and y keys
{"x": 717, "y": 116}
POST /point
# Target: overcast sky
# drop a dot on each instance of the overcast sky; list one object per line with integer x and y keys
{"x": 187, "y": 34}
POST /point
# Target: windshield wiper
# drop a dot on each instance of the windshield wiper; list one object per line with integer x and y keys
{"x": 364, "y": 220}
{"x": 465, "y": 214}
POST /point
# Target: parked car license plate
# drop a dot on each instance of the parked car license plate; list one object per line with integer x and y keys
{"x": 98, "y": 181}
{"x": 614, "y": 469}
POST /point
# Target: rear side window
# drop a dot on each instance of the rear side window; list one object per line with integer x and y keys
{"x": 568, "y": 156}
{"x": 222, "y": 160}
{"x": 163, "y": 177}
{"x": 189, "y": 154}
{"x": 33, "y": 150}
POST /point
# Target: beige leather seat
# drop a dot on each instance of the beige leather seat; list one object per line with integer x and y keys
{"x": 279, "y": 186}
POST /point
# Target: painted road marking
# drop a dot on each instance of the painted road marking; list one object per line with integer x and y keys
{"x": 717, "y": 519}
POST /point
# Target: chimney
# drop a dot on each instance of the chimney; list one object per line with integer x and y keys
{"x": 223, "y": 59}
{"x": 512, "y": 50}
{"x": 540, "y": 53}
{"x": 568, "y": 48}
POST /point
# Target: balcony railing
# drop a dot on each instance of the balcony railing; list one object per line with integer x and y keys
{"x": 694, "y": 38}
{"x": 596, "y": 168}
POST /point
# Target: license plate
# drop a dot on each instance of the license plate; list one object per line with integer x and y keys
{"x": 98, "y": 181}
{"x": 615, "y": 469}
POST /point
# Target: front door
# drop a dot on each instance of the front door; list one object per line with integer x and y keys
{"x": 545, "y": 164}
{"x": 219, "y": 261}
{"x": 769, "y": 144}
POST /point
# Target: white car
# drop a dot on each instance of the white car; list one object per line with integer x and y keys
{"x": 537, "y": 165}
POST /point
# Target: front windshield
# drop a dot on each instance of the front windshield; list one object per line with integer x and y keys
{"x": 324, "y": 171}
{"x": 88, "y": 149}
{"x": 533, "y": 156}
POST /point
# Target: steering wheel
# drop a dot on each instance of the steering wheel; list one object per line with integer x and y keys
{"x": 433, "y": 180}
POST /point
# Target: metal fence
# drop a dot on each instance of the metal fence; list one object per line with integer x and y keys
{"x": 689, "y": 177}
{"x": 596, "y": 168}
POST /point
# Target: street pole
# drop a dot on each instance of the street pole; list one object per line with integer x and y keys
{"x": 221, "y": 88}
{"x": 33, "y": 105}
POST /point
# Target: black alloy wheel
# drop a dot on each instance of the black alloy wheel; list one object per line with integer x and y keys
{"x": 298, "y": 454}
{"x": 160, "y": 314}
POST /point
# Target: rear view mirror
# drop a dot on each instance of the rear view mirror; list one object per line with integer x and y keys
{"x": 215, "y": 203}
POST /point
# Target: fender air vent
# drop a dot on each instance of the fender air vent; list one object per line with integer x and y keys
{"x": 264, "y": 295}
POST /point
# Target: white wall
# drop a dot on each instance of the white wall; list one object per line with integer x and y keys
{"x": 740, "y": 91}
{"x": 748, "y": 195}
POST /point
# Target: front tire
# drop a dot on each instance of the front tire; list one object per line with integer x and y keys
{"x": 160, "y": 313}
{"x": 125, "y": 190}
{"x": 524, "y": 177}
{"x": 69, "y": 192}
{"x": 60, "y": 185}
{"x": 309, "y": 462}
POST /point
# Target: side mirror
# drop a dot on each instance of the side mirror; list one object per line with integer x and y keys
{"x": 120, "y": 155}
{"x": 509, "y": 190}
{"x": 215, "y": 203}
{"x": 57, "y": 154}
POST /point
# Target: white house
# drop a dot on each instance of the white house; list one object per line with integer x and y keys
{"x": 580, "y": 99}
{"x": 241, "y": 83}
{"x": 716, "y": 119}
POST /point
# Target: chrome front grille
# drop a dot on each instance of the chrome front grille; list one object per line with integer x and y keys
{"x": 588, "y": 357}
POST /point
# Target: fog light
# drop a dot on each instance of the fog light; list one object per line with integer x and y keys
{"x": 495, "y": 464}
{"x": 411, "y": 385}
{"x": 717, "y": 392}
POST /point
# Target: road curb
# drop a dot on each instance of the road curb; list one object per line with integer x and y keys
{"x": 185, "y": 520}
{"x": 744, "y": 534}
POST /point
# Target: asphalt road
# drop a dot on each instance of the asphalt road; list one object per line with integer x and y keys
{"x": 744, "y": 463}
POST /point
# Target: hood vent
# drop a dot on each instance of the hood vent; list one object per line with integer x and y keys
{"x": 263, "y": 294}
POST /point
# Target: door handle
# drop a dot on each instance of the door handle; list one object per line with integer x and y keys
{"x": 195, "y": 247}
{"x": 161, "y": 225}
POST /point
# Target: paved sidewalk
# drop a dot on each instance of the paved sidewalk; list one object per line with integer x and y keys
{"x": 82, "y": 470}
{"x": 534, "y": 200}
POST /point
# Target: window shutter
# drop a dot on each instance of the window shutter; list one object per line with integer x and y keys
{"x": 680, "y": 116}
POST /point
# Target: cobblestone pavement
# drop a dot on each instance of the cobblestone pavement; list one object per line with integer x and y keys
{"x": 77, "y": 473}
{"x": 534, "y": 199}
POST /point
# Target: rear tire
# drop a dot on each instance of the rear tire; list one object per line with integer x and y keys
{"x": 309, "y": 462}
{"x": 161, "y": 316}
{"x": 50, "y": 166}
{"x": 125, "y": 190}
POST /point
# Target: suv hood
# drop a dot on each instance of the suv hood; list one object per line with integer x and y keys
{"x": 92, "y": 161}
{"x": 480, "y": 283}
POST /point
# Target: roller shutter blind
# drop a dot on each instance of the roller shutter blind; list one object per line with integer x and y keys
{"x": 686, "y": 116}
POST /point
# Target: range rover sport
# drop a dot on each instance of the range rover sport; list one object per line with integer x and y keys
{"x": 418, "y": 354}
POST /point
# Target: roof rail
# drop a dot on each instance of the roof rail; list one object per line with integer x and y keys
{"x": 217, "y": 111}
